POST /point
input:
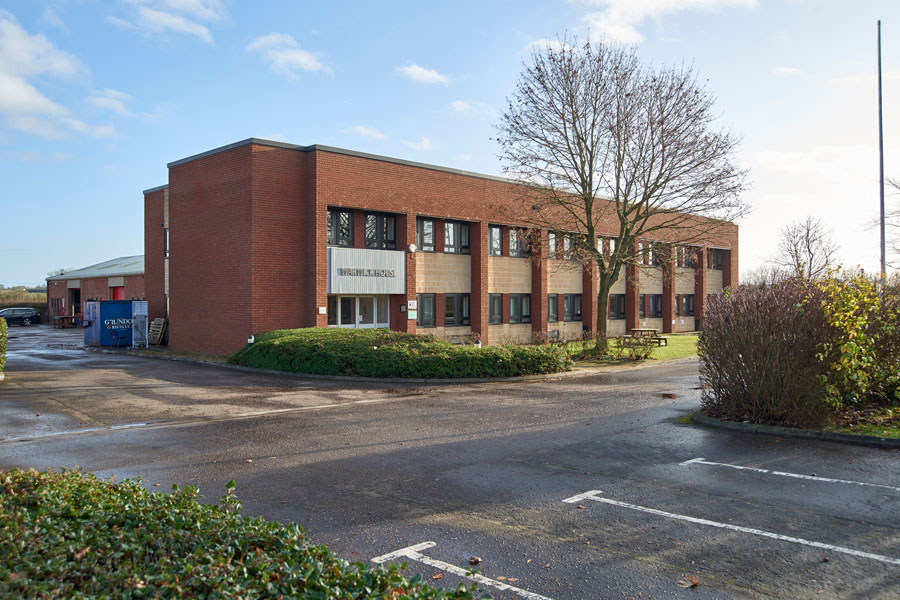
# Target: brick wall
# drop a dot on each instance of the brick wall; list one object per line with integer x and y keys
{"x": 154, "y": 253}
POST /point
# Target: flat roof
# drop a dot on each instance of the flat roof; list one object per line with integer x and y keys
{"x": 117, "y": 267}
{"x": 334, "y": 150}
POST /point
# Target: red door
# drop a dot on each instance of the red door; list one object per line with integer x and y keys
{"x": 118, "y": 293}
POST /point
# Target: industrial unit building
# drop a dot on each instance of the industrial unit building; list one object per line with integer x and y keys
{"x": 262, "y": 235}
{"x": 117, "y": 279}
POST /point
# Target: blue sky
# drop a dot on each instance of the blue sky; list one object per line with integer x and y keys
{"x": 97, "y": 96}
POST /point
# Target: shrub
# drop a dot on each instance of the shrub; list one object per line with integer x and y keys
{"x": 384, "y": 353}
{"x": 4, "y": 334}
{"x": 65, "y": 535}
{"x": 764, "y": 355}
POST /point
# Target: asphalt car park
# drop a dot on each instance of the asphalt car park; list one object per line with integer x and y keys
{"x": 577, "y": 488}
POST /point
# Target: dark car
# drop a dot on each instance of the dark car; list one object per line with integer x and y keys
{"x": 21, "y": 316}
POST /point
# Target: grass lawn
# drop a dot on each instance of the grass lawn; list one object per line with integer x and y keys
{"x": 681, "y": 345}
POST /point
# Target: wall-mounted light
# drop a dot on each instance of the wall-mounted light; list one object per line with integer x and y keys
{"x": 412, "y": 248}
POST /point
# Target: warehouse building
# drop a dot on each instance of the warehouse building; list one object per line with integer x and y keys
{"x": 117, "y": 279}
{"x": 261, "y": 235}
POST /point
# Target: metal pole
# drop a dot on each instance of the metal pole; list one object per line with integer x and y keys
{"x": 881, "y": 161}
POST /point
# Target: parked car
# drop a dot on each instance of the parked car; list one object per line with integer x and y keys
{"x": 21, "y": 316}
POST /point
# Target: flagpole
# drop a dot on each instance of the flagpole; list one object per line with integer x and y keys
{"x": 881, "y": 162}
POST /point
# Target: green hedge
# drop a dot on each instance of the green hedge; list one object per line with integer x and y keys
{"x": 384, "y": 353}
{"x": 4, "y": 333}
{"x": 68, "y": 535}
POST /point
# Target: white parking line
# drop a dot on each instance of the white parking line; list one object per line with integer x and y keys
{"x": 703, "y": 461}
{"x": 594, "y": 495}
{"x": 412, "y": 553}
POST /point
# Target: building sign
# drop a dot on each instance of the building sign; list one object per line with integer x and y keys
{"x": 362, "y": 271}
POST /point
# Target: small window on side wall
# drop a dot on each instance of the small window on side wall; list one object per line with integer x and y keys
{"x": 495, "y": 309}
{"x": 425, "y": 314}
{"x": 552, "y": 308}
{"x": 495, "y": 240}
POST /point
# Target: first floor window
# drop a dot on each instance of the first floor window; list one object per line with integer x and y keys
{"x": 517, "y": 242}
{"x": 456, "y": 309}
{"x": 166, "y": 248}
{"x": 687, "y": 305}
{"x": 655, "y": 308}
{"x": 551, "y": 245}
{"x": 381, "y": 232}
{"x": 340, "y": 227}
{"x": 572, "y": 307}
{"x": 425, "y": 315}
{"x": 495, "y": 309}
{"x": 456, "y": 237}
{"x": 495, "y": 240}
{"x": 617, "y": 306}
{"x": 520, "y": 308}
{"x": 425, "y": 234}
{"x": 553, "y": 308}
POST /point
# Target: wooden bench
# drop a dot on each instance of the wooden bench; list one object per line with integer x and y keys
{"x": 64, "y": 322}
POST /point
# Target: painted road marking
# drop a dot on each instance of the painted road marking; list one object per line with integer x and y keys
{"x": 595, "y": 496}
{"x": 703, "y": 461}
{"x": 413, "y": 553}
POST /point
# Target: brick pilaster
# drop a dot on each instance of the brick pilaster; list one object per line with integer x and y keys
{"x": 478, "y": 243}
{"x": 539, "y": 285}
{"x": 700, "y": 288}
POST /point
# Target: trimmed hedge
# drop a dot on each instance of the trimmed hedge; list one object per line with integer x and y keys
{"x": 384, "y": 353}
{"x": 4, "y": 334}
{"x": 69, "y": 535}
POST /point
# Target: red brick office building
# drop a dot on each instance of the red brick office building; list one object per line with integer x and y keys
{"x": 261, "y": 235}
{"x": 117, "y": 279}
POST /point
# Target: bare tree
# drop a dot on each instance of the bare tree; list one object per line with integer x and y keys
{"x": 806, "y": 248}
{"x": 606, "y": 144}
{"x": 892, "y": 225}
{"x": 56, "y": 272}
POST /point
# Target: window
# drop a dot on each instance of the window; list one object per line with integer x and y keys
{"x": 495, "y": 237}
{"x": 425, "y": 315}
{"x": 617, "y": 306}
{"x": 655, "y": 306}
{"x": 568, "y": 247}
{"x": 332, "y": 310}
{"x": 572, "y": 307}
{"x": 715, "y": 258}
{"x": 687, "y": 305}
{"x": 657, "y": 255}
{"x": 381, "y": 231}
{"x": 456, "y": 237}
{"x": 166, "y": 249}
{"x": 517, "y": 243}
{"x": 690, "y": 257}
{"x": 552, "y": 308}
{"x": 520, "y": 308}
{"x": 642, "y": 309}
{"x": 425, "y": 234}
{"x": 495, "y": 308}
{"x": 551, "y": 245}
{"x": 340, "y": 227}
{"x": 456, "y": 309}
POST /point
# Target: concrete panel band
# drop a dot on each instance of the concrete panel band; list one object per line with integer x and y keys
{"x": 359, "y": 271}
{"x": 73, "y": 284}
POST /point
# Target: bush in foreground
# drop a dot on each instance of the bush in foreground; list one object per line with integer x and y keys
{"x": 384, "y": 353}
{"x": 66, "y": 535}
{"x": 4, "y": 334}
{"x": 760, "y": 355}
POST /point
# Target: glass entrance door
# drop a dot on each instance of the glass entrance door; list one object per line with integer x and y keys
{"x": 366, "y": 317}
{"x": 359, "y": 311}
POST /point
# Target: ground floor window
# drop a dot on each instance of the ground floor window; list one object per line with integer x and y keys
{"x": 495, "y": 306}
{"x": 425, "y": 316}
{"x": 572, "y": 307}
{"x": 552, "y": 308}
{"x": 520, "y": 308}
{"x": 687, "y": 305}
{"x": 655, "y": 306}
{"x": 456, "y": 309}
{"x": 617, "y": 306}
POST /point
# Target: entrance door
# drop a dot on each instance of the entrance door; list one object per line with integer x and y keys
{"x": 347, "y": 311}
{"x": 366, "y": 317}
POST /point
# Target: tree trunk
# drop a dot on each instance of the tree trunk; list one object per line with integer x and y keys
{"x": 602, "y": 313}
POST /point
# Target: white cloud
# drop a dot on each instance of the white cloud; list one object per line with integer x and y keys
{"x": 24, "y": 56}
{"x": 787, "y": 71}
{"x": 284, "y": 55}
{"x": 160, "y": 17}
{"x": 471, "y": 108}
{"x": 422, "y": 75}
{"x": 618, "y": 19}
{"x": 369, "y": 132}
{"x": 865, "y": 78}
{"x": 422, "y": 145}
{"x": 113, "y": 100}
{"x": 34, "y": 156}
{"x": 52, "y": 18}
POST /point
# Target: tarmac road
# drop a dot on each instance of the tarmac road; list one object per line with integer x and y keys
{"x": 480, "y": 470}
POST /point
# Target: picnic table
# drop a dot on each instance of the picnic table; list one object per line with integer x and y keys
{"x": 644, "y": 334}
{"x": 64, "y": 322}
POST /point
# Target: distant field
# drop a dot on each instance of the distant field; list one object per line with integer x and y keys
{"x": 21, "y": 297}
